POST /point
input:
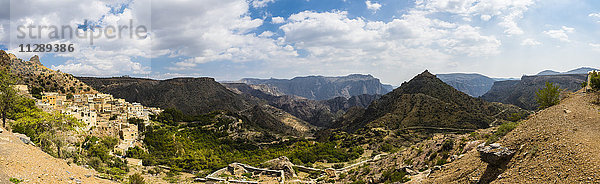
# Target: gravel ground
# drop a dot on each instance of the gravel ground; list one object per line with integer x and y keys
{"x": 30, "y": 164}
{"x": 560, "y": 144}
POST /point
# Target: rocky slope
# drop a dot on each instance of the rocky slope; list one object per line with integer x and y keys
{"x": 471, "y": 84}
{"x": 40, "y": 78}
{"x": 556, "y": 145}
{"x": 426, "y": 101}
{"x": 31, "y": 165}
{"x": 522, "y": 93}
{"x": 324, "y": 88}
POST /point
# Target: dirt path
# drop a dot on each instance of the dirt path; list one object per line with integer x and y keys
{"x": 558, "y": 145}
{"x": 30, "y": 164}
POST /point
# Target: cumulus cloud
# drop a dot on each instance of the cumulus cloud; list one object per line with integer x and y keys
{"x": 105, "y": 56}
{"x": 595, "y": 15}
{"x": 414, "y": 37}
{"x": 373, "y": 6}
{"x": 277, "y": 20}
{"x": 261, "y": 3}
{"x": 560, "y": 34}
{"x": 530, "y": 42}
{"x": 508, "y": 12}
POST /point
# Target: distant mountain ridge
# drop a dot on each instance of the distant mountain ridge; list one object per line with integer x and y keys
{"x": 522, "y": 92}
{"x": 470, "y": 83}
{"x": 582, "y": 70}
{"x": 320, "y": 113}
{"x": 324, "y": 88}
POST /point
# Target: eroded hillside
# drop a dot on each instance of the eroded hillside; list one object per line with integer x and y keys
{"x": 556, "y": 145}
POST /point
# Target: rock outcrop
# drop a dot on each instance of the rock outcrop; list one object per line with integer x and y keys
{"x": 494, "y": 154}
{"x": 281, "y": 163}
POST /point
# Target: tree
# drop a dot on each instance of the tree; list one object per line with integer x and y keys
{"x": 7, "y": 94}
{"x": 548, "y": 96}
{"x": 595, "y": 80}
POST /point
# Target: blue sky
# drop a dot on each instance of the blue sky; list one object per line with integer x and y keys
{"x": 390, "y": 39}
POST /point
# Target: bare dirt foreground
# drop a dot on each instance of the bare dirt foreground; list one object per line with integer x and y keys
{"x": 31, "y": 165}
{"x": 560, "y": 144}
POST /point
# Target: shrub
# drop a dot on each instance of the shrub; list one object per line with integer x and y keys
{"x": 338, "y": 166}
{"x": 136, "y": 179}
{"x": 502, "y": 131}
{"x": 595, "y": 80}
{"x": 15, "y": 180}
{"x": 392, "y": 176}
{"x": 548, "y": 96}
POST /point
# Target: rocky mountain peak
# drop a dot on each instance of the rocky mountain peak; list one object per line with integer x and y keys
{"x": 426, "y": 73}
{"x": 35, "y": 59}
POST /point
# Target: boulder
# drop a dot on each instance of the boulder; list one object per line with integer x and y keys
{"x": 236, "y": 169}
{"x": 494, "y": 154}
{"x": 281, "y": 163}
{"x": 23, "y": 138}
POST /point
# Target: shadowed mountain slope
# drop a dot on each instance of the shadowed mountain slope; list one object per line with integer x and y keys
{"x": 428, "y": 102}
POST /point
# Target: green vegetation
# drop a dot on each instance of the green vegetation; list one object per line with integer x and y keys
{"x": 135, "y": 152}
{"x": 548, "y": 96}
{"x": 502, "y": 131}
{"x": 15, "y": 180}
{"x": 395, "y": 175}
{"x": 98, "y": 156}
{"x": 595, "y": 80}
{"x": 206, "y": 146}
{"x": 7, "y": 94}
{"x": 136, "y": 179}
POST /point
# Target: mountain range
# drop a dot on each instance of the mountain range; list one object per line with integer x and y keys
{"x": 471, "y": 84}
{"x": 522, "y": 92}
{"x": 323, "y": 88}
{"x": 582, "y": 70}
{"x": 196, "y": 96}
{"x": 426, "y": 101}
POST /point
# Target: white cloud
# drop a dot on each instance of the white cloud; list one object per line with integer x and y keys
{"x": 560, "y": 34}
{"x": 106, "y": 56}
{"x": 595, "y": 46}
{"x": 277, "y": 20}
{"x": 595, "y": 15}
{"x": 373, "y": 6}
{"x": 261, "y": 3}
{"x": 530, "y": 42}
{"x": 509, "y": 11}
{"x": 266, "y": 34}
{"x": 333, "y": 37}
{"x": 486, "y": 17}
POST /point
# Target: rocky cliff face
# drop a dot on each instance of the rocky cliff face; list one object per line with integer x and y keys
{"x": 471, "y": 84}
{"x": 324, "y": 88}
{"x": 321, "y": 113}
{"x": 522, "y": 93}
